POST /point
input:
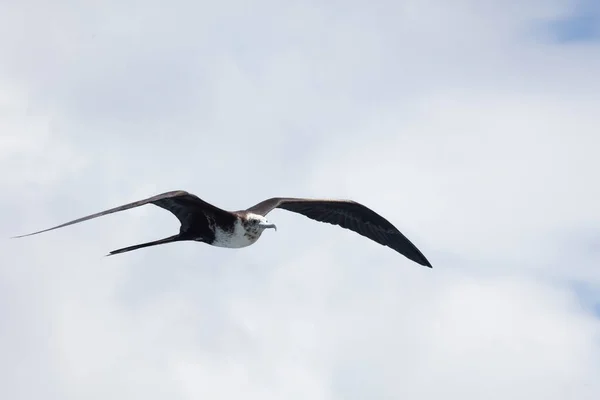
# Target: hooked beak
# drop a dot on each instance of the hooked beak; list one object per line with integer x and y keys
{"x": 265, "y": 225}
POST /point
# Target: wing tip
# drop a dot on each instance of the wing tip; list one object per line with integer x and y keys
{"x": 33, "y": 233}
{"x": 20, "y": 236}
{"x": 422, "y": 260}
{"x": 417, "y": 257}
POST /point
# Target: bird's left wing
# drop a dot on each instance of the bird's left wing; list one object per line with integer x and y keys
{"x": 179, "y": 202}
{"x": 349, "y": 215}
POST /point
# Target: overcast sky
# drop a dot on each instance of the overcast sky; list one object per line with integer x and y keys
{"x": 472, "y": 125}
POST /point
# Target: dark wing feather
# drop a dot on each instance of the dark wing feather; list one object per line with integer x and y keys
{"x": 182, "y": 204}
{"x": 349, "y": 215}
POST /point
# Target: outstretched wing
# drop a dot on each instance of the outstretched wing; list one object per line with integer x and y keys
{"x": 181, "y": 203}
{"x": 349, "y": 215}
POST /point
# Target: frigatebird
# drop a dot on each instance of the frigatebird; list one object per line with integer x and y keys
{"x": 203, "y": 222}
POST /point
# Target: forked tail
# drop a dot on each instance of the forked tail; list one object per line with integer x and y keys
{"x": 170, "y": 239}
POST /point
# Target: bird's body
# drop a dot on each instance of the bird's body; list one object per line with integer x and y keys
{"x": 203, "y": 222}
{"x": 241, "y": 234}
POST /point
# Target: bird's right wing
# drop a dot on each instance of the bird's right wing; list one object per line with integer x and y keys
{"x": 181, "y": 203}
{"x": 350, "y": 215}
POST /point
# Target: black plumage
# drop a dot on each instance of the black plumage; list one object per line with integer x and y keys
{"x": 350, "y": 215}
{"x": 203, "y": 222}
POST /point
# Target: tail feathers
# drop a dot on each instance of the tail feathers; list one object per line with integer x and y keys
{"x": 170, "y": 239}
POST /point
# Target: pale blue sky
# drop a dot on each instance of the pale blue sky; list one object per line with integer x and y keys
{"x": 460, "y": 122}
{"x": 581, "y": 24}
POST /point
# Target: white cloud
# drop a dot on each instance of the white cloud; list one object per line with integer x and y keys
{"x": 458, "y": 122}
{"x": 478, "y": 173}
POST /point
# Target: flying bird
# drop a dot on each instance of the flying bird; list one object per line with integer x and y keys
{"x": 203, "y": 222}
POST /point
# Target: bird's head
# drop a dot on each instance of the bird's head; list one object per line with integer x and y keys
{"x": 259, "y": 222}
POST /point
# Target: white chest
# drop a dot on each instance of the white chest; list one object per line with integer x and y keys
{"x": 236, "y": 239}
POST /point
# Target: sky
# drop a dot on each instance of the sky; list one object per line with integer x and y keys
{"x": 581, "y": 24}
{"x": 470, "y": 125}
